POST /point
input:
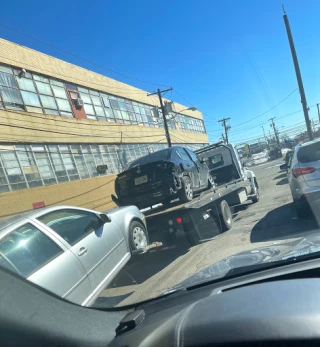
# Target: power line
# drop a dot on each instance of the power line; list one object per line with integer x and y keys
{"x": 73, "y": 134}
{"x": 76, "y": 56}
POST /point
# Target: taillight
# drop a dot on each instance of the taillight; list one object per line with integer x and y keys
{"x": 302, "y": 171}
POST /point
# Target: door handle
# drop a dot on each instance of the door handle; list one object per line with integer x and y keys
{"x": 82, "y": 251}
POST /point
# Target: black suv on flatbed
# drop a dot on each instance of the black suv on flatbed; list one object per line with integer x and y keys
{"x": 161, "y": 177}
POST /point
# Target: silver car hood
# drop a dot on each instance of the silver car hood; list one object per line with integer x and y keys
{"x": 263, "y": 255}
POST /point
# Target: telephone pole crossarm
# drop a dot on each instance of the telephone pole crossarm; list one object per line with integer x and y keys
{"x": 223, "y": 121}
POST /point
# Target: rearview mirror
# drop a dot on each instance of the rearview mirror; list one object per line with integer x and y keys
{"x": 283, "y": 167}
{"x": 105, "y": 218}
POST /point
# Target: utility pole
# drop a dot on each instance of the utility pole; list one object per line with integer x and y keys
{"x": 318, "y": 112}
{"x": 223, "y": 121}
{"x": 166, "y": 129}
{"x": 275, "y": 130}
{"x": 223, "y": 139}
{"x": 298, "y": 74}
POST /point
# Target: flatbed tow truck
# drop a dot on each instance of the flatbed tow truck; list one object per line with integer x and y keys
{"x": 209, "y": 214}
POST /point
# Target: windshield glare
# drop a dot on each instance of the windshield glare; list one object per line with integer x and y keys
{"x": 144, "y": 151}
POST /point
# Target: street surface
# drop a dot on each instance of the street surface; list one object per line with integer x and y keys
{"x": 271, "y": 220}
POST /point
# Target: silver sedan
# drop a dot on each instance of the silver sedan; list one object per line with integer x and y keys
{"x": 72, "y": 252}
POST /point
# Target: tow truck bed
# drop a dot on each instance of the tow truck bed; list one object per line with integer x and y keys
{"x": 200, "y": 219}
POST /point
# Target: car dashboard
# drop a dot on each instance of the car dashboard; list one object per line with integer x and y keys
{"x": 277, "y": 307}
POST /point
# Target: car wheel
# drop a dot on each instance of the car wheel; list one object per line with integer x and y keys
{"x": 302, "y": 212}
{"x": 256, "y": 192}
{"x": 225, "y": 216}
{"x": 138, "y": 236}
{"x": 186, "y": 192}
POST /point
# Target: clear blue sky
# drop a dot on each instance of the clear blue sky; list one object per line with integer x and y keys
{"x": 229, "y": 58}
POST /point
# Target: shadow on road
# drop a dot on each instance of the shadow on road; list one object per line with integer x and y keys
{"x": 282, "y": 175}
{"x": 283, "y": 181}
{"x": 281, "y": 223}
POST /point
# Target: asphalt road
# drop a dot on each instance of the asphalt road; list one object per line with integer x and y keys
{"x": 271, "y": 220}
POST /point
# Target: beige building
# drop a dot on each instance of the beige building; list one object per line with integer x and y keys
{"x": 58, "y": 121}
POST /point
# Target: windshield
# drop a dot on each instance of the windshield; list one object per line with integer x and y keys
{"x": 150, "y": 158}
{"x": 140, "y": 154}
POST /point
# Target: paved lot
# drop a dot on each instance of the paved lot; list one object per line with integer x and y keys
{"x": 271, "y": 220}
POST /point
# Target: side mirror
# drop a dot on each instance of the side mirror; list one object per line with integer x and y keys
{"x": 105, "y": 218}
{"x": 283, "y": 167}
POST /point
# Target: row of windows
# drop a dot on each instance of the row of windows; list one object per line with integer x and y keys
{"x": 39, "y": 94}
{"x": 28, "y": 166}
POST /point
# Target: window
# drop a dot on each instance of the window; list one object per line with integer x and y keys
{"x": 114, "y": 104}
{"x": 88, "y": 109}
{"x": 45, "y": 168}
{"x": 182, "y": 154}
{"x": 86, "y": 98}
{"x": 5, "y": 69}
{"x": 106, "y": 102}
{"x": 99, "y": 111}
{"x": 40, "y": 78}
{"x": 57, "y": 164}
{"x": 71, "y": 225}
{"x": 44, "y": 88}
{"x": 122, "y": 106}
{"x": 31, "y": 99}
{"x": 310, "y": 153}
{"x": 192, "y": 155}
{"x": 26, "y": 84}
{"x": 7, "y": 80}
{"x": 64, "y": 105}
{"x": 11, "y": 98}
{"x": 48, "y": 102}
{"x": 96, "y": 100}
{"x": 27, "y": 249}
{"x": 59, "y": 92}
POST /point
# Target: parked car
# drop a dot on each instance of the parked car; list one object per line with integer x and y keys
{"x": 72, "y": 252}
{"x": 304, "y": 177}
{"x": 287, "y": 160}
{"x": 161, "y": 177}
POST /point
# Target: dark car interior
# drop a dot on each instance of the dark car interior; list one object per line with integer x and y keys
{"x": 276, "y": 306}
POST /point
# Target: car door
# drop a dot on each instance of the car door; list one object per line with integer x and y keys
{"x": 100, "y": 247}
{"x": 34, "y": 254}
{"x": 189, "y": 166}
{"x": 202, "y": 168}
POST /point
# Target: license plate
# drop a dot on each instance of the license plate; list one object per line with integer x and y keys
{"x": 140, "y": 180}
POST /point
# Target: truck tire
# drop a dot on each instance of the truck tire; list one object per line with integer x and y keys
{"x": 225, "y": 216}
{"x": 186, "y": 192}
{"x": 256, "y": 190}
{"x": 138, "y": 236}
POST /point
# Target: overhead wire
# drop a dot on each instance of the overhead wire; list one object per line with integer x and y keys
{"x": 78, "y": 57}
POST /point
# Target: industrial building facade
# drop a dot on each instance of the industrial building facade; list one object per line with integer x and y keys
{"x": 58, "y": 122}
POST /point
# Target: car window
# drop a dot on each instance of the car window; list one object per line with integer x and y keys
{"x": 182, "y": 154}
{"x": 159, "y": 155}
{"x": 192, "y": 155}
{"x": 307, "y": 154}
{"x": 71, "y": 225}
{"x": 27, "y": 249}
{"x": 215, "y": 161}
